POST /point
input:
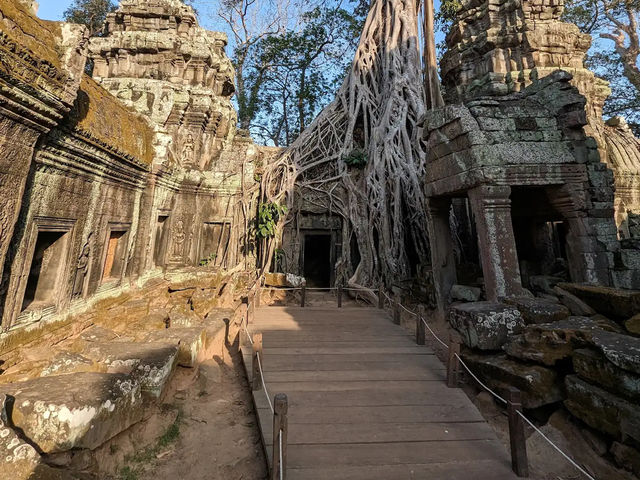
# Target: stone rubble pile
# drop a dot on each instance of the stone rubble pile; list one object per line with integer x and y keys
{"x": 82, "y": 391}
{"x": 590, "y": 364}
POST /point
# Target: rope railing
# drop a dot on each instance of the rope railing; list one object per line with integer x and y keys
{"x": 516, "y": 417}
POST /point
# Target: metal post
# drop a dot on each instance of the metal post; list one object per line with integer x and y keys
{"x": 339, "y": 296}
{"x": 519, "y": 461}
{"x": 381, "y": 297}
{"x": 453, "y": 365}
{"x": 304, "y": 296}
{"x": 256, "y": 377}
{"x": 396, "y": 312}
{"x": 280, "y": 427}
{"x": 420, "y": 330}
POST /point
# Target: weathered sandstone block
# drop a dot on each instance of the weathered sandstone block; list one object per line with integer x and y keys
{"x": 485, "y": 325}
{"x": 80, "y": 410}
{"x": 602, "y": 410}
{"x": 539, "y": 385}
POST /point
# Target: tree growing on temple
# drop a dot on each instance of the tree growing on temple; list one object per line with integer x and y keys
{"x": 91, "y": 13}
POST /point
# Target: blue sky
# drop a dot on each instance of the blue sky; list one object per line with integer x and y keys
{"x": 53, "y": 9}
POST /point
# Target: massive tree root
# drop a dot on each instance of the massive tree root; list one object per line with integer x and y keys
{"x": 376, "y": 112}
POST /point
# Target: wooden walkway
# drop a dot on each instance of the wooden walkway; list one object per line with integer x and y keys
{"x": 365, "y": 402}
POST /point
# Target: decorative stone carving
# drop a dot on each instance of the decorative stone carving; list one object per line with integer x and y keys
{"x": 183, "y": 84}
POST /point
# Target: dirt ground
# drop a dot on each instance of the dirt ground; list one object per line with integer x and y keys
{"x": 210, "y": 431}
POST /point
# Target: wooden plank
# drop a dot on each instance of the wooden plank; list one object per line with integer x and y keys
{"x": 349, "y": 350}
{"x": 373, "y": 395}
{"x": 369, "y": 375}
{"x": 382, "y": 414}
{"x": 383, "y": 432}
{"x": 283, "y": 364}
{"x": 397, "y": 453}
{"x": 460, "y": 470}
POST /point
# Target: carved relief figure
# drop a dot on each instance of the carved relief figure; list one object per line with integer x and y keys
{"x": 82, "y": 269}
{"x": 188, "y": 151}
{"x": 179, "y": 237}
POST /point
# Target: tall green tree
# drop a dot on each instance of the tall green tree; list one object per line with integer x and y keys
{"x": 289, "y": 58}
{"x": 91, "y": 13}
{"x": 616, "y": 52}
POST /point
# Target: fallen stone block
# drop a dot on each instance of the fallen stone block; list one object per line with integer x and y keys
{"x": 574, "y": 304}
{"x": 543, "y": 283}
{"x": 464, "y": 293}
{"x": 184, "y": 317}
{"x": 594, "y": 367}
{"x": 190, "y": 341}
{"x": 536, "y": 310}
{"x": 621, "y": 350}
{"x": 203, "y": 301}
{"x": 550, "y": 342}
{"x": 79, "y": 410}
{"x": 150, "y": 364}
{"x": 626, "y": 457}
{"x": 602, "y": 410}
{"x": 539, "y": 385}
{"x": 19, "y": 459}
{"x": 614, "y": 303}
{"x": 485, "y": 325}
{"x": 284, "y": 280}
{"x": 71, "y": 362}
{"x": 633, "y": 325}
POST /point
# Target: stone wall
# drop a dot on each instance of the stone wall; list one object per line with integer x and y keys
{"x": 112, "y": 180}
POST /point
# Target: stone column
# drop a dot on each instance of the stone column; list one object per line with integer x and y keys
{"x": 442, "y": 256}
{"x": 492, "y": 209}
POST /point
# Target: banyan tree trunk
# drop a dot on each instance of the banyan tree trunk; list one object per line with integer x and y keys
{"x": 376, "y": 113}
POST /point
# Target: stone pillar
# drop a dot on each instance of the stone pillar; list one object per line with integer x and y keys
{"x": 442, "y": 256}
{"x": 492, "y": 209}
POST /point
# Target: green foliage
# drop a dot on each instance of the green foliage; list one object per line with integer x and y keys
{"x": 210, "y": 260}
{"x": 268, "y": 216}
{"x": 91, "y": 13}
{"x": 601, "y": 18}
{"x": 357, "y": 158}
{"x": 286, "y": 76}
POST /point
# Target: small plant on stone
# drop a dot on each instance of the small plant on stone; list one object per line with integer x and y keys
{"x": 268, "y": 216}
{"x": 357, "y": 158}
{"x": 210, "y": 260}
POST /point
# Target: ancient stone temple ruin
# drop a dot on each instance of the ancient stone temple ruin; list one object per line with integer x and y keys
{"x": 522, "y": 141}
{"x": 153, "y": 169}
{"x": 129, "y": 201}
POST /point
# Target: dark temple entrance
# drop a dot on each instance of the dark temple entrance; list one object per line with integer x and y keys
{"x": 317, "y": 260}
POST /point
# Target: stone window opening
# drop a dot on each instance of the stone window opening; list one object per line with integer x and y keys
{"x": 160, "y": 245}
{"x": 46, "y": 269}
{"x": 115, "y": 258}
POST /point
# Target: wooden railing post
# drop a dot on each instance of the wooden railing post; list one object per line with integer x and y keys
{"x": 420, "y": 330}
{"x": 303, "y": 301}
{"x": 381, "y": 297}
{"x": 517, "y": 439}
{"x": 258, "y": 299}
{"x": 396, "y": 312}
{"x": 340, "y": 296}
{"x": 256, "y": 377}
{"x": 453, "y": 364}
{"x": 280, "y": 427}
